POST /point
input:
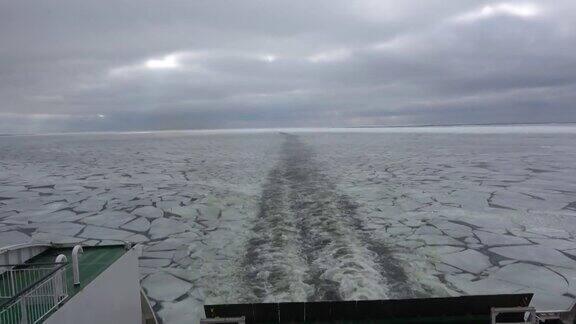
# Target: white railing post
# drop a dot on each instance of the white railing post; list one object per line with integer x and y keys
{"x": 24, "y": 310}
{"x": 75, "y": 269}
{"x": 64, "y": 287}
{"x": 12, "y": 285}
{"x": 58, "y": 279}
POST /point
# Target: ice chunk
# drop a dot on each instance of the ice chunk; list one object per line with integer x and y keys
{"x": 546, "y": 299}
{"x": 436, "y": 249}
{"x": 486, "y": 286}
{"x": 423, "y": 230}
{"x": 140, "y": 224}
{"x": 530, "y": 275}
{"x": 189, "y": 310}
{"x": 13, "y": 237}
{"x": 209, "y": 211}
{"x": 446, "y": 269}
{"x": 488, "y": 238}
{"x": 558, "y": 244}
{"x": 447, "y": 225}
{"x": 183, "y": 211}
{"x": 550, "y": 232}
{"x": 58, "y": 216}
{"x": 148, "y": 211}
{"x": 166, "y": 245}
{"x": 163, "y": 227}
{"x": 136, "y": 238}
{"x": 468, "y": 260}
{"x": 535, "y": 253}
{"x": 64, "y": 228}
{"x": 395, "y": 230}
{"x": 91, "y": 205}
{"x": 159, "y": 254}
{"x": 55, "y": 238}
{"x": 165, "y": 287}
{"x": 109, "y": 219}
{"x": 103, "y": 233}
{"x": 154, "y": 263}
{"x": 436, "y": 239}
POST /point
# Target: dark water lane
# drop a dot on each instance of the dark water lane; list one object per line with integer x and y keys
{"x": 308, "y": 241}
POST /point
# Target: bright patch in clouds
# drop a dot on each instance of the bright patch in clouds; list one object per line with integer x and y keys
{"x": 521, "y": 10}
{"x": 331, "y": 56}
{"x": 167, "y": 62}
{"x": 395, "y": 44}
{"x": 268, "y": 58}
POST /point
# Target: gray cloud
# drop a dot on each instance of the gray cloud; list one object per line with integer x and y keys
{"x": 131, "y": 65}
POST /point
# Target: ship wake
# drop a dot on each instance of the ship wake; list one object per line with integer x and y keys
{"x": 308, "y": 243}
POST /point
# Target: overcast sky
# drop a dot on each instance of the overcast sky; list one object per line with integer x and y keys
{"x": 70, "y": 65}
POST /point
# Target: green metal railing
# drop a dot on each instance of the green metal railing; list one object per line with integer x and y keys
{"x": 29, "y": 292}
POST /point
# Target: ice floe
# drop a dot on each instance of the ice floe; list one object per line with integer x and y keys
{"x": 468, "y": 260}
{"x": 165, "y": 287}
{"x": 536, "y": 254}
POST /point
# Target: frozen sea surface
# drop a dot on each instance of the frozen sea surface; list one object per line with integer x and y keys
{"x": 295, "y": 215}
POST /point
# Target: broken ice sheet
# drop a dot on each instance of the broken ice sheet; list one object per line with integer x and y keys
{"x": 12, "y": 238}
{"x": 468, "y": 260}
{"x": 163, "y": 227}
{"x": 404, "y": 185}
{"x": 109, "y": 219}
{"x": 165, "y": 287}
{"x": 139, "y": 224}
{"x": 148, "y": 211}
{"x": 535, "y": 253}
{"x": 488, "y": 238}
{"x": 103, "y": 233}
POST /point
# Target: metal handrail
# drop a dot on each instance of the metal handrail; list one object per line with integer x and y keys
{"x": 20, "y": 253}
{"x": 33, "y": 303}
{"x": 13, "y": 299}
{"x": 29, "y": 264}
{"x": 22, "y": 245}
